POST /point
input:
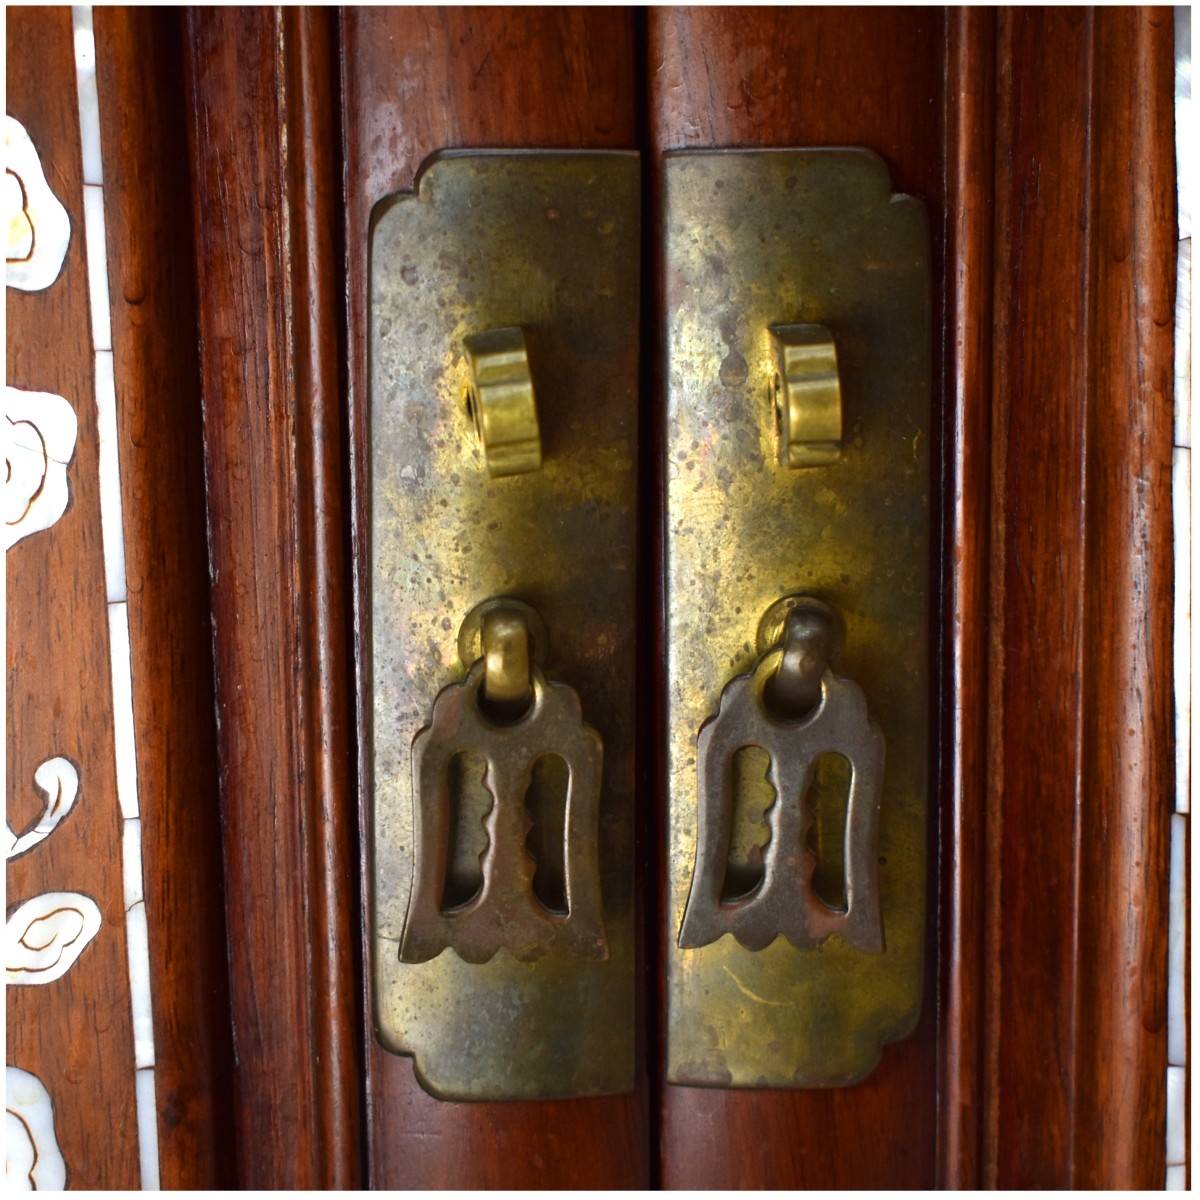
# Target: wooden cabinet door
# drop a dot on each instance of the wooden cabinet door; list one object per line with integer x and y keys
{"x": 249, "y": 147}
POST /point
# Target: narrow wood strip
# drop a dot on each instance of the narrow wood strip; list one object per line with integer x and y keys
{"x": 970, "y": 154}
{"x": 1128, "y": 764}
{"x": 417, "y": 80}
{"x": 263, "y": 150}
{"x": 810, "y": 77}
{"x": 75, "y": 1033}
{"x": 147, "y": 192}
{"x": 1039, "y": 421}
{"x": 314, "y": 254}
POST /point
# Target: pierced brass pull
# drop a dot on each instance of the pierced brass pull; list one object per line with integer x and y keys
{"x": 508, "y": 714}
{"x": 793, "y": 707}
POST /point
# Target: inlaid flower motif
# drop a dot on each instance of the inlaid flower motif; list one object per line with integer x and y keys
{"x": 58, "y": 781}
{"x": 32, "y": 1159}
{"x": 45, "y": 936}
{"x": 40, "y": 430}
{"x": 39, "y": 229}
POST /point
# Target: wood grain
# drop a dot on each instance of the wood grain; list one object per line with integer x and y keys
{"x": 415, "y": 81}
{"x": 152, "y": 279}
{"x": 263, "y": 143}
{"x": 1081, "y": 587}
{"x": 1128, "y": 776}
{"x": 970, "y": 174}
{"x": 809, "y": 77}
{"x": 76, "y": 1033}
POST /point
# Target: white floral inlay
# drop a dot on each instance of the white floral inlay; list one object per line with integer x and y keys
{"x": 45, "y": 936}
{"x": 39, "y": 229}
{"x": 32, "y": 1157}
{"x": 39, "y": 439}
{"x": 58, "y": 781}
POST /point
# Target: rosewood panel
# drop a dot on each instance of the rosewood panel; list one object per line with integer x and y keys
{"x": 152, "y": 276}
{"x": 808, "y": 77}
{"x": 417, "y": 80}
{"x": 1080, "y": 654}
{"x": 263, "y": 140}
{"x": 74, "y": 1033}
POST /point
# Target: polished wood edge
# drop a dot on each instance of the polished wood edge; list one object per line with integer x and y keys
{"x": 969, "y": 157}
{"x": 152, "y": 288}
{"x": 314, "y": 186}
{"x": 1127, "y": 721}
{"x": 264, "y": 147}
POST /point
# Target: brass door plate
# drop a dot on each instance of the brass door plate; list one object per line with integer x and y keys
{"x": 546, "y": 244}
{"x": 768, "y": 241}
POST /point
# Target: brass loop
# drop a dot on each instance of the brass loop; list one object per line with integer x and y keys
{"x": 508, "y": 662}
{"x": 810, "y": 635}
{"x": 470, "y": 632}
{"x": 510, "y": 638}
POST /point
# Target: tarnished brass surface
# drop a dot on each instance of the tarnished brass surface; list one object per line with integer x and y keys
{"x": 548, "y": 243}
{"x": 808, "y": 396}
{"x": 502, "y": 403}
{"x": 755, "y": 240}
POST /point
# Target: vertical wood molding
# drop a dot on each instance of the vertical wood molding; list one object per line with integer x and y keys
{"x": 1127, "y": 788}
{"x": 139, "y": 55}
{"x": 1081, "y": 576}
{"x": 263, "y": 142}
{"x": 417, "y": 80}
{"x": 970, "y": 165}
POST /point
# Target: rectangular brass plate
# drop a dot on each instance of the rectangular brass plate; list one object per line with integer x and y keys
{"x": 756, "y": 239}
{"x": 548, "y": 242}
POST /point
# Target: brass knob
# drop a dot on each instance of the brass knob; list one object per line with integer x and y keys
{"x": 502, "y": 403}
{"x": 808, "y": 395}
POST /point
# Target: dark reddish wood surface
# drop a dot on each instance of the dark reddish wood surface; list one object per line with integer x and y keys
{"x": 970, "y": 176}
{"x": 1082, "y": 591}
{"x": 263, "y": 138}
{"x": 417, "y": 80}
{"x": 152, "y": 278}
{"x": 76, "y": 1033}
{"x": 1128, "y": 763}
{"x": 809, "y": 77}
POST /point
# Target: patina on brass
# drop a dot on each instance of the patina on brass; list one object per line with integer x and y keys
{"x": 505, "y": 913}
{"x": 502, "y": 402}
{"x": 547, "y": 243}
{"x": 808, "y": 395}
{"x": 756, "y": 240}
{"x": 794, "y": 734}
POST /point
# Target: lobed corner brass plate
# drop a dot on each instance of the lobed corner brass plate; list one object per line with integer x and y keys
{"x": 547, "y": 243}
{"x": 756, "y": 240}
